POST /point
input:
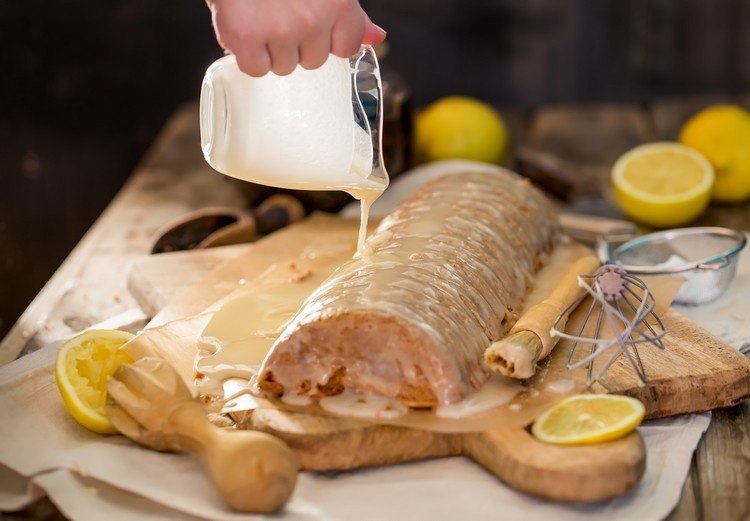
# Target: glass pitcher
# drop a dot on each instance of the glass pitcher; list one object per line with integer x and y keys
{"x": 312, "y": 130}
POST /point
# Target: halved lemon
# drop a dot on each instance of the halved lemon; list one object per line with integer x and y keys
{"x": 82, "y": 367}
{"x": 589, "y": 418}
{"x": 663, "y": 184}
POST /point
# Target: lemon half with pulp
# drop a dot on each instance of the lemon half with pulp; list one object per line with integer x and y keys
{"x": 589, "y": 418}
{"x": 663, "y": 184}
{"x": 82, "y": 367}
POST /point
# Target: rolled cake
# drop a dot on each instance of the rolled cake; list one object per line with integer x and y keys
{"x": 411, "y": 315}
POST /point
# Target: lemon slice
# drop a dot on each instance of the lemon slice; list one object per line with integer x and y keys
{"x": 82, "y": 367}
{"x": 589, "y": 418}
{"x": 663, "y": 184}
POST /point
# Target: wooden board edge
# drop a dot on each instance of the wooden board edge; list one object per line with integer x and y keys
{"x": 719, "y": 390}
{"x": 583, "y": 473}
{"x": 568, "y": 474}
{"x": 355, "y": 445}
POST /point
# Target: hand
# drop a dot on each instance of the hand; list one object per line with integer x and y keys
{"x": 277, "y": 35}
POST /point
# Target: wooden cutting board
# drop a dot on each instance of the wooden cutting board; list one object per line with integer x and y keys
{"x": 697, "y": 372}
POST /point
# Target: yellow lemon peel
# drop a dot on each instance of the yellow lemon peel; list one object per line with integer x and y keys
{"x": 589, "y": 418}
{"x": 82, "y": 367}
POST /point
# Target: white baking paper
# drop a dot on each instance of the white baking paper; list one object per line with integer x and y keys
{"x": 89, "y": 477}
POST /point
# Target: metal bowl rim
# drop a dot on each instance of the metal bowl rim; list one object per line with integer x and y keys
{"x": 726, "y": 256}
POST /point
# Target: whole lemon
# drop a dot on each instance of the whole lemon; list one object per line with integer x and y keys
{"x": 459, "y": 127}
{"x": 722, "y": 134}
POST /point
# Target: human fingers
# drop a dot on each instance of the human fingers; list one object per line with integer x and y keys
{"x": 374, "y": 34}
{"x": 284, "y": 57}
{"x": 314, "y": 50}
{"x": 254, "y": 60}
{"x": 348, "y": 31}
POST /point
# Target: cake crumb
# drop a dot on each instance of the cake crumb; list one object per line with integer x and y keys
{"x": 301, "y": 275}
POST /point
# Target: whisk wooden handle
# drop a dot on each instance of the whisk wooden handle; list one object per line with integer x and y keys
{"x": 540, "y": 317}
{"x": 529, "y": 340}
{"x": 253, "y": 471}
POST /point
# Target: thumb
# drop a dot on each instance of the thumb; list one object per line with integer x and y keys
{"x": 373, "y": 34}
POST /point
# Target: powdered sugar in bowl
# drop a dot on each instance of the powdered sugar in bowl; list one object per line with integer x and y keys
{"x": 706, "y": 257}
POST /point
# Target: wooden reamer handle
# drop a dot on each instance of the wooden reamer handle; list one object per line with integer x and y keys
{"x": 253, "y": 471}
{"x": 150, "y": 404}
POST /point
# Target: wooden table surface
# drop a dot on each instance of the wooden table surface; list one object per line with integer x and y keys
{"x": 90, "y": 286}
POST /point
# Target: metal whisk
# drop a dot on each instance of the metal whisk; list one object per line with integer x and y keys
{"x": 629, "y": 314}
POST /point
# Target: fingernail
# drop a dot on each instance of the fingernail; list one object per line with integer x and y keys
{"x": 374, "y": 34}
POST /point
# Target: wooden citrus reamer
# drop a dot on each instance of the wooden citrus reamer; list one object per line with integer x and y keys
{"x": 253, "y": 471}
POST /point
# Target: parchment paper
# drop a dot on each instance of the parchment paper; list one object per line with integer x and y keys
{"x": 43, "y": 451}
{"x": 89, "y": 477}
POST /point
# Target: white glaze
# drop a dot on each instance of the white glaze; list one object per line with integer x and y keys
{"x": 366, "y": 405}
{"x": 495, "y": 392}
{"x": 561, "y": 386}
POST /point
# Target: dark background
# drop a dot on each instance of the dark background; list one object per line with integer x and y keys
{"x": 85, "y": 86}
